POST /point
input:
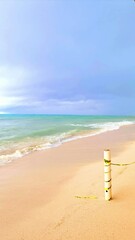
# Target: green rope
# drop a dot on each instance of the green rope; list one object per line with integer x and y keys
{"x": 118, "y": 164}
{"x": 87, "y": 197}
{"x": 122, "y": 164}
{"x": 107, "y": 162}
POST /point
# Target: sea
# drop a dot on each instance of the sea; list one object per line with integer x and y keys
{"x": 23, "y": 134}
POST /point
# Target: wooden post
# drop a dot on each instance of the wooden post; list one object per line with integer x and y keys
{"x": 107, "y": 175}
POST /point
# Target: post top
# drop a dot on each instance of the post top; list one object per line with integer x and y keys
{"x": 106, "y": 150}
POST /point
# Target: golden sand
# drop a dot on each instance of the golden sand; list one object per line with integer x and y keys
{"x": 37, "y": 192}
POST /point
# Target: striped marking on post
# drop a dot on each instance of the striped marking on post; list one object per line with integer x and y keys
{"x": 107, "y": 175}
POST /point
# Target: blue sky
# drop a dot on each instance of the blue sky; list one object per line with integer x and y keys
{"x": 67, "y": 57}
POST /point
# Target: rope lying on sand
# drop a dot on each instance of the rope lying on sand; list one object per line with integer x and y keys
{"x": 87, "y": 197}
{"x": 114, "y": 164}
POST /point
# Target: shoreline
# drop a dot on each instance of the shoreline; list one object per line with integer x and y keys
{"x": 33, "y": 185}
{"x": 22, "y": 152}
{"x": 70, "y": 141}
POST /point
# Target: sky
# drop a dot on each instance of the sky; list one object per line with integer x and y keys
{"x": 67, "y": 57}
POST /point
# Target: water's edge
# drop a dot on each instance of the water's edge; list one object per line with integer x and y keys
{"x": 49, "y": 132}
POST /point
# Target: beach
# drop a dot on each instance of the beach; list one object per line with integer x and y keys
{"x": 67, "y": 120}
{"x": 38, "y": 191}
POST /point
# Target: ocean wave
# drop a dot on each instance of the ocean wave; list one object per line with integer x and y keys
{"x": 49, "y": 142}
{"x": 107, "y": 125}
{"x": 57, "y": 140}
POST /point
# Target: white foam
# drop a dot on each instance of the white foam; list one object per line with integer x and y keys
{"x": 103, "y": 127}
{"x": 108, "y": 125}
{"x": 9, "y": 157}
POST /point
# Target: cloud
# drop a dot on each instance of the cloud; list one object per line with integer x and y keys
{"x": 65, "y": 106}
{"x": 51, "y": 106}
{"x": 4, "y": 113}
{"x": 13, "y": 82}
{"x": 50, "y": 63}
{"x": 25, "y": 91}
{"x": 13, "y": 78}
{"x": 7, "y": 102}
{"x": 21, "y": 91}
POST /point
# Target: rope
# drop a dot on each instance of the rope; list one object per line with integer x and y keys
{"x": 107, "y": 162}
{"x": 122, "y": 164}
{"x": 87, "y": 197}
{"x": 118, "y": 164}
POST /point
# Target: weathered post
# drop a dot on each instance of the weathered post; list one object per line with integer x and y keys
{"x": 107, "y": 175}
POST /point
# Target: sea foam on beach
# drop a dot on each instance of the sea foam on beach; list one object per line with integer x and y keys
{"x": 23, "y": 134}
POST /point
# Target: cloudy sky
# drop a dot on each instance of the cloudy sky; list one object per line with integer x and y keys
{"x": 67, "y": 57}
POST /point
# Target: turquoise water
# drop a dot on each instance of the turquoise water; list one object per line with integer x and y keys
{"x": 22, "y": 134}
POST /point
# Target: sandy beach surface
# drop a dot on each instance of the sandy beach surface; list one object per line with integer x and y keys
{"x": 37, "y": 192}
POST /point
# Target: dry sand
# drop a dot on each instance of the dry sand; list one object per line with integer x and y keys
{"x": 37, "y": 192}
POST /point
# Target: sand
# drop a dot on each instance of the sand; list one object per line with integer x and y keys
{"x": 37, "y": 192}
